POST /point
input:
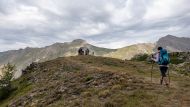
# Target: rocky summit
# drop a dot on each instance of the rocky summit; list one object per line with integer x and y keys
{"x": 174, "y": 44}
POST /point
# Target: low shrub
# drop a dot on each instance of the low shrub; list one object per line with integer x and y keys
{"x": 140, "y": 57}
{"x": 5, "y": 81}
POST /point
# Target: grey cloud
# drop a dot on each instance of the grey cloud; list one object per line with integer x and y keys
{"x": 71, "y": 19}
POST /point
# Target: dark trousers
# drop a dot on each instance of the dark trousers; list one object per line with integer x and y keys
{"x": 163, "y": 70}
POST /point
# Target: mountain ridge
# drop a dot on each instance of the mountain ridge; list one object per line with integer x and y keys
{"x": 23, "y": 57}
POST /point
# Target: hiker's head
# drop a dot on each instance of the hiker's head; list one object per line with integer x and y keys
{"x": 159, "y": 48}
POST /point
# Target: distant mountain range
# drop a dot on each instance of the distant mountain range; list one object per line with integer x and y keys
{"x": 23, "y": 57}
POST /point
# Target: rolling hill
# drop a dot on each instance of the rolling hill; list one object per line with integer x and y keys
{"x": 130, "y": 51}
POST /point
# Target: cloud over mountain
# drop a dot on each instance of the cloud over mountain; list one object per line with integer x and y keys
{"x": 107, "y": 23}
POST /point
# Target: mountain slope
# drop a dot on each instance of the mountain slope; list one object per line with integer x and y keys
{"x": 130, "y": 51}
{"x": 24, "y": 57}
{"x": 174, "y": 44}
{"x": 88, "y": 81}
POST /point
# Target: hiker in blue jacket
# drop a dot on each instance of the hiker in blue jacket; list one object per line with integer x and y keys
{"x": 162, "y": 58}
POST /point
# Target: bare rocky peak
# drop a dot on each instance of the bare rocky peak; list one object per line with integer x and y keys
{"x": 76, "y": 41}
{"x": 79, "y": 41}
{"x": 174, "y": 44}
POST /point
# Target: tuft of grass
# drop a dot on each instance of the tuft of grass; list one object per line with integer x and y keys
{"x": 140, "y": 71}
{"x": 88, "y": 78}
{"x": 71, "y": 68}
{"x": 141, "y": 98}
{"x": 104, "y": 93}
{"x": 109, "y": 104}
{"x": 117, "y": 87}
{"x": 86, "y": 94}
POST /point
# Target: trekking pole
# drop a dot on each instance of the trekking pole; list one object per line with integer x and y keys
{"x": 151, "y": 71}
{"x": 168, "y": 75}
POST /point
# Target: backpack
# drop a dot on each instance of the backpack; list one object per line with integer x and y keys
{"x": 163, "y": 57}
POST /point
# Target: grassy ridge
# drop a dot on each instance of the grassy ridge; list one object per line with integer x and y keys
{"x": 88, "y": 81}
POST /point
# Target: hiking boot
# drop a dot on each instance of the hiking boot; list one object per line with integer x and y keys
{"x": 167, "y": 85}
{"x": 161, "y": 81}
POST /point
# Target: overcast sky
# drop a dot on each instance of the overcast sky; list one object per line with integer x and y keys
{"x": 105, "y": 23}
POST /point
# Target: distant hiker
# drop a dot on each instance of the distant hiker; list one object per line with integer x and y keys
{"x": 87, "y": 51}
{"x": 80, "y": 52}
{"x": 83, "y": 51}
{"x": 162, "y": 58}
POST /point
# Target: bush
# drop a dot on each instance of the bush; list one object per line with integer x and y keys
{"x": 179, "y": 57}
{"x": 140, "y": 57}
{"x": 5, "y": 80}
{"x": 176, "y": 61}
{"x": 5, "y": 92}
